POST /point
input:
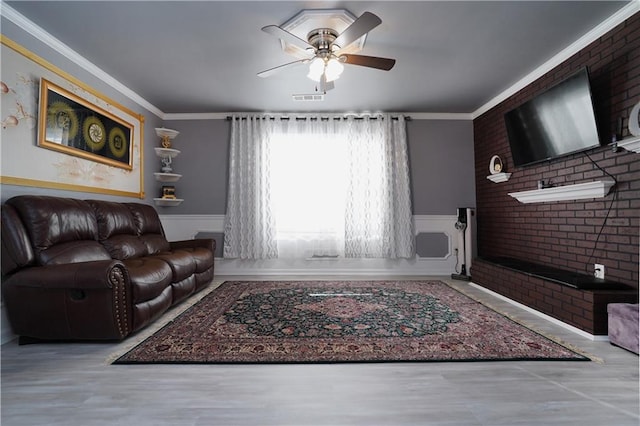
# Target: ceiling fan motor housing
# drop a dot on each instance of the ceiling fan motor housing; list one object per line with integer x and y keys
{"x": 322, "y": 40}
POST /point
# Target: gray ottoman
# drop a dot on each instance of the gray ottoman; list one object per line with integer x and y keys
{"x": 623, "y": 325}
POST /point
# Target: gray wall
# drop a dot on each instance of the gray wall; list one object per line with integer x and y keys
{"x": 441, "y": 157}
{"x": 442, "y": 165}
{"x": 204, "y": 153}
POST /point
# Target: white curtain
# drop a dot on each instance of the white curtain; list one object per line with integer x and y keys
{"x": 378, "y": 218}
{"x": 334, "y": 187}
{"x": 249, "y": 231}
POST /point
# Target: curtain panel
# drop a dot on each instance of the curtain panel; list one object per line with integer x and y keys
{"x": 310, "y": 187}
{"x": 249, "y": 231}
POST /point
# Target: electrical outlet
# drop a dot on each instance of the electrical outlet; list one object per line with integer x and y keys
{"x": 598, "y": 271}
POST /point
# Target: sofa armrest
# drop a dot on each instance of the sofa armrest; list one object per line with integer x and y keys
{"x": 87, "y": 300}
{"x": 81, "y": 275}
{"x": 206, "y": 243}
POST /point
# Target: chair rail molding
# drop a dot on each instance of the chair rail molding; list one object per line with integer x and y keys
{"x": 183, "y": 227}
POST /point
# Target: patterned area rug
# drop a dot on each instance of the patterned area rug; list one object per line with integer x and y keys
{"x": 341, "y": 321}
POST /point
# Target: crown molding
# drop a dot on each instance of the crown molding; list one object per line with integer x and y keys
{"x": 224, "y": 115}
{"x": 58, "y": 46}
{"x": 604, "y": 27}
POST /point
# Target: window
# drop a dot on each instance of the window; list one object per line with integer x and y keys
{"x": 317, "y": 187}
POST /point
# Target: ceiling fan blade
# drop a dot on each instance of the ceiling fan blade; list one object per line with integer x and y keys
{"x": 276, "y": 31}
{"x": 274, "y": 70}
{"x": 365, "y": 23}
{"x": 368, "y": 61}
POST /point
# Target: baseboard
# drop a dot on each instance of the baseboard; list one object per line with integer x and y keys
{"x": 334, "y": 267}
{"x": 592, "y": 337}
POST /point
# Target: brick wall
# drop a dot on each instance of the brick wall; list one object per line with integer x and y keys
{"x": 565, "y": 234}
{"x": 584, "y": 309}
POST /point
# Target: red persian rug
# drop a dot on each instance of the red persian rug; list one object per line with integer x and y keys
{"x": 341, "y": 321}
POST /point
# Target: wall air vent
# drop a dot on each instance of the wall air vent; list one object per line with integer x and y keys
{"x": 309, "y": 97}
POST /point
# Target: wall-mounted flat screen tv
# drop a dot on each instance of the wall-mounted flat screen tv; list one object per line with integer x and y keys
{"x": 558, "y": 122}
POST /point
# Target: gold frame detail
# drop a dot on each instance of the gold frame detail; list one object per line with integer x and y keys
{"x": 90, "y": 130}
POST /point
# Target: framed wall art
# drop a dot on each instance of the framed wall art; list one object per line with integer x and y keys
{"x": 58, "y": 132}
{"x": 72, "y": 125}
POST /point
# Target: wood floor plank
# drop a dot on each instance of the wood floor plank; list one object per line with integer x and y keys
{"x": 72, "y": 384}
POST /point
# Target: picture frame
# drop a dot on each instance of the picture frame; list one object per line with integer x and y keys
{"x": 74, "y": 126}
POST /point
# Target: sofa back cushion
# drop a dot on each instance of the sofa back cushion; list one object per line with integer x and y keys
{"x": 117, "y": 230}
{"x": 16, "y": 247}
{"x": 149, "y": 227}
{"x": 61, "y": 230}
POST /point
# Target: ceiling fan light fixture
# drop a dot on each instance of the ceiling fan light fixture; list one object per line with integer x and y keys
{"x": 333, "y": 70}
{"x": 316, "y": 69}
{"x": 330, "y": 69}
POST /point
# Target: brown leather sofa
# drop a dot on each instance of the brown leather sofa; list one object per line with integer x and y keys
{"x": 93, "y": 270}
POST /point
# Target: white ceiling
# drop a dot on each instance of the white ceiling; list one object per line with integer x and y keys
{"x": 203, "y": 56}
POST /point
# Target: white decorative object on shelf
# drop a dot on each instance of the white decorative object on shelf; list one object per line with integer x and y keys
{"x": 167, "y": 201}
{"x": 499, "y": 177}
{"x": 630, "y": 144}
{"x": 495, "y": 165}
{"x": 167, "y": 177}
{"x": 166, "y": 136}
{"x": 634, "y": 120}
{"x": 166, "y": 155}
{"x": 596, "y": 189}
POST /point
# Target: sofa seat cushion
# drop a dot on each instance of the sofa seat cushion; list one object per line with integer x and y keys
{"x": 181, "y": 262}
{"x": 149, "y": 277}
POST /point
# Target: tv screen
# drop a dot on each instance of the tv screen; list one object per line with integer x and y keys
{"x": 558, "y": 122}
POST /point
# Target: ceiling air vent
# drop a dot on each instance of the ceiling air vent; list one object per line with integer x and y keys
{"x": 309, "y": 97}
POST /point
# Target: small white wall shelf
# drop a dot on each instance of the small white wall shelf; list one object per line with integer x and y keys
{"x": 630, "y": 144}
{"x": 167, "y": 177}
{"x": 166, "y": 202}
{"x": 596, "y": 189}
{"x": 166, "y": 152}
{"x": 499, "y": 177}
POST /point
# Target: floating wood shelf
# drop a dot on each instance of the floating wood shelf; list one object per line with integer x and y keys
{"x": 597, "y": 189}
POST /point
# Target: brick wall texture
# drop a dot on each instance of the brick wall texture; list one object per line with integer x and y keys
{"x": 570, "y": 235}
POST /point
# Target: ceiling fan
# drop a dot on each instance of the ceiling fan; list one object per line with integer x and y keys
{"x": 325, "y": 48}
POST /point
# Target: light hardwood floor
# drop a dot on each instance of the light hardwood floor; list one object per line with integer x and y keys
{"x": 73, "y": 384}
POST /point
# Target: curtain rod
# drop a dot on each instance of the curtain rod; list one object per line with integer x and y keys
{"x": 373, "y": 117}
